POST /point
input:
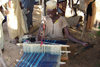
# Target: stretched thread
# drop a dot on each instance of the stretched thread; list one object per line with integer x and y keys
{"x": 37, "y": 60}
{"x": 40, "y": 58}
{"x": 24, "y": 59}
{"x": 55, "y": 42}
{"x": 21, "y": 60}
{"x": 28, "y": 59}
{"x": 52, "y": 41}
{"x": 34, "y": 60}
{"x": 47, "y": 61}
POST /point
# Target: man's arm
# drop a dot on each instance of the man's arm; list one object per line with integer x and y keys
{"x": 67, "y": 34}
{"x": 41, "y": 32}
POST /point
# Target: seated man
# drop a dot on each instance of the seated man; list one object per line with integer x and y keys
{"x": 56, "y": 26}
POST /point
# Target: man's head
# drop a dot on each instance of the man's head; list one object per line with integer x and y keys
{"x": 51, "y": 7}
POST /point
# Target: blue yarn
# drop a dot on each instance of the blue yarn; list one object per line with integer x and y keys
{"x": 39, "y": 60}
{"x": 24, "y": 59}
{"x": 31, "y": 59}
{"x": 27, "y": 60}
{"x": 34, "y": 60}
{"x": 21, "y": 59}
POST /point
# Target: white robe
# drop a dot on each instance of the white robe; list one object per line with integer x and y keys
{"x": 15, "y": 20}
{"x": 54, "y": 30}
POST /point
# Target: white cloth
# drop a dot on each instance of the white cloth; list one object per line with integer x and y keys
{"x": 54, "y": 30}
{"x": 82, "y": 5}
{"x": 69, "y": 12}
{"x": 1, "y": 31}
{"x": 51, "y": 5}
{"x": 25, "y": 20}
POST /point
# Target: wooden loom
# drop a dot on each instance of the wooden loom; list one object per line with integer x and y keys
{"x": 47, "y": 55}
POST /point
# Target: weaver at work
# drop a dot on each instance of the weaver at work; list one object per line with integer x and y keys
{"x": 55, "y": 26}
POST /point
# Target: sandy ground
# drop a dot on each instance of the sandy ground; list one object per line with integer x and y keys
{"x": 89, "y": 58}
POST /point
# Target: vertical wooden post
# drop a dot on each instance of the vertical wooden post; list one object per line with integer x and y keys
{"x": 69, "y": 3}
{"x": 72, "y": 3}
{"x": 77, "y": 1}
{"x": 42, "y": 13}
{"x": 45, "y": 7}
{"x": 40, "y": 2}
{"x": 57, "y": 4}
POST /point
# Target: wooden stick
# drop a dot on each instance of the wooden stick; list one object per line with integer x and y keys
{"x": 83, "y": 31}
{"x": 22, "y": 44}
{"x": 66, "y": 52}
{"x": 77, "y": 1}
{"x": 69, "y": 3}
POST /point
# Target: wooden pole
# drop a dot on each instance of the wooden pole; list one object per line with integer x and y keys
{"x": 72, "y": 3}
{"x": 42, "y": 10}
{"x": 69, "y": 3}
{"x": 83, "y": 31}
{"x": 40, "y": 2}
{"x": 43, "y": 13}
{"x": 44, "y": 7}
{"x": 77, "y": 1}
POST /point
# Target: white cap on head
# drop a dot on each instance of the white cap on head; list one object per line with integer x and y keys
{"x": 51, "y": 5}
{"x": 54, "y": 0}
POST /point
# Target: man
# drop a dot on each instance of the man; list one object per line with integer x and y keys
{"x": 28, "y": 5}
{"x": 15, "y": 21}
{"x": 1, "y": 39}
{"x": 56, "y": 26}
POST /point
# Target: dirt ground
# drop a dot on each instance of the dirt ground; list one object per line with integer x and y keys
{"x": 89, "y": 58}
